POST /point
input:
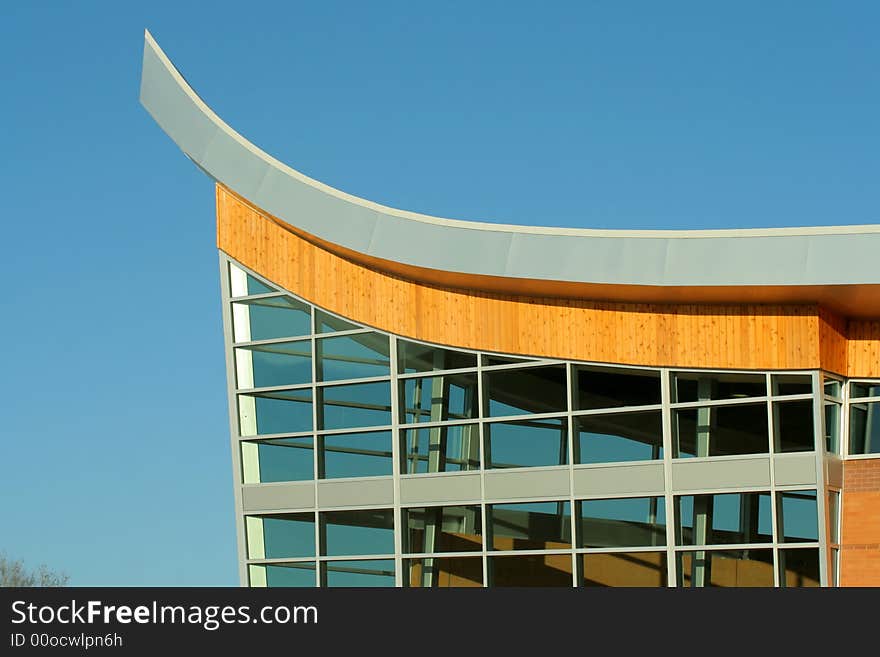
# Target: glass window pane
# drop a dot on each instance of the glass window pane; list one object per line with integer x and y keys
{"x": 351, "y": 406}
{"x": 526, "y": 443}
{"x": 490, "y": 360}
{"x": 793, "y": 426}
{"x": 798, "y": 516}
{"x": 702, "y": 386}
{"x": 864, "y": 428}
{"x": 369, "y": 531}
{"x": 270, "y": 317}
{"x": 242, "y": 284}
{"x": 792, "y": 384}
{"x": 327, "y": 323}
{"x": 279, "y": 411}
{"x": 415, "y": 357}
{"x": 624, "y": 522}
{"x": 442, "y": 529}
{"x": 282, "y": 536}
{"x": 366, "y": 454}
{"x": 459, "y": 572}
{"x": 832, "y": 388}
{"x": 799, "y": 568}
{"x": 602, "y": 387}
{"x": 619, "y": 437}
{"x": 531, "y": 390}
{"x": 441, "y": 449}
{"x": 362, "y": 573}
{"x": 864, "y": 390}
{"x": 646, "y": 569}
{"x": 300, "y": 574}
{"x": 720, "y": 430}
{"x": 530, "y": 526}
{"x": 725, "y": 518}
{"x": 356, "y": 356}
{"x": 530, "y": 570}
{"x": 832, "y": 428}
{"x": 729, "y": 568}
{"x": 275, "y": 364}
{"x": 279, "y": 459}
{"x": 439, "y": 398}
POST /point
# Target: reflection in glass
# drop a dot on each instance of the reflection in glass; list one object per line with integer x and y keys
{"x": 702, "y": 386}
{"x": 366, "y": 454}
{"x": 278, "y": 411}
{"x": 439, "y": 398}
{"x": 278, "y": 459}
{"x": 720, "y": 430}
{"x": 415, "y": 357}
{"x": 864, "y": 428}
{"x": 864, "y": 390}
{"x": 797, "y": 515}
{"x": 355, "y": 356}
{"x": 605, "y": 387}
{"x": 441, "y": 449}
{"x": 281, "y": 536}
{"x": 646, "y": 569}
{"x": 441, "y": 572}
{"x": 243, "y": 284}
{"x": 361, "y": 573}
{"x": 622, "y": 522}
{"x": 725, "y": 568}
{"x": 832, "y": 428}
{"x": 300, "y": 574}
{"x": 530, "y": 570}
{"x": 530, "y": 526}
{"x": 832, "y": 388}
{"x": 274, "y": 364}
{"x": 526, "y": 443}
{"x": 530, "y": 390}
{"x": 793, "y": 426}
{"x": 358, "y": 405}
{"x": 799, "y": 568}
{"x": 726, "y": 518}
{"x": 327, "y": 323}
{"x": 490, "y": 360}
{"x": 792, "y": 384}
{"x": 367, "y": 531}
{"x": 442, "y": 529}
{"x": 270, "y": 317}
{"x": 636, "y": 436}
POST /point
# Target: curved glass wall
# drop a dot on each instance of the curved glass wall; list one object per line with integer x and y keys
{"x": 318, "y": 398}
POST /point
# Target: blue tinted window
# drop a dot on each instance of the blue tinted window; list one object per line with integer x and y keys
{"x": 356, "y": 454}
{"x": 358, "y": 405}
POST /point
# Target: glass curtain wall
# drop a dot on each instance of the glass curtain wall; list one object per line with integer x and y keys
{"x": 318, "y": 397}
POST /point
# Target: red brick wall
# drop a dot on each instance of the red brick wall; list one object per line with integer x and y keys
{"x": 860, "y": 523}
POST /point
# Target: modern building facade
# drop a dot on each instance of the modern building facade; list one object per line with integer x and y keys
{"x": 418, "y": 401}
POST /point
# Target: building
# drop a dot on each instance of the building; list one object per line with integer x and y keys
{"x": 425, "y": 402}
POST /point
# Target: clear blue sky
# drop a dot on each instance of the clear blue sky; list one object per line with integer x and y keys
{"x": 115, "y": 446}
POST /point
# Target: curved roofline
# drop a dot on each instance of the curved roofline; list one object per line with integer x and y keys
{"x": 823, "y": 255}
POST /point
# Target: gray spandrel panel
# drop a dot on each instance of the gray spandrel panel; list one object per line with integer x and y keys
{"x": 356, "y": 492}
{"x": 727, "y": 473}
{"x": 282, "y": 496}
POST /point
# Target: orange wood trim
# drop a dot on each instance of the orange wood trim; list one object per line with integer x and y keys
{"x": 744, "y": 336}
{"x": 863, "y": 348}
{"x": 832, "y": 342}
{"x": 856, "y": 300}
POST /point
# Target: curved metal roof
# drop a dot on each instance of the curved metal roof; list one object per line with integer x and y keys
{"x": 816, "y": 256}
